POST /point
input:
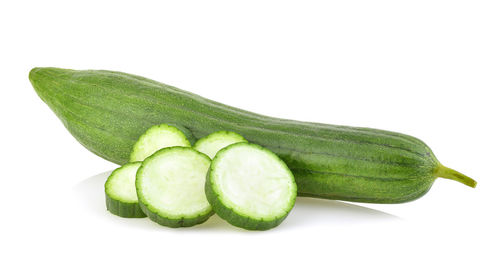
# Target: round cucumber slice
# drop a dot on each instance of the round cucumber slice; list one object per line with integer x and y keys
{"x": 250, "y": 187}
{"x": 156, "y": 138}
{"x": 189, "y": 135}
{"x": 170, "y": 187}
{"x": 212, "y": 143}
{"x": 121, "y": 196}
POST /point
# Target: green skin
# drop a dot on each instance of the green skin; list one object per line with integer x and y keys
{"x": 120, "y": 207}
{"x": 107, "y": 111}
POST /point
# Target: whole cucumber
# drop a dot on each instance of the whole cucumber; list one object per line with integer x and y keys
{"x": 107, "y": 111}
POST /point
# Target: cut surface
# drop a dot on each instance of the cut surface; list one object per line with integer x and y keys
{"x": 156, "y": 138}
{"x": 253, "y": 183}
{"x": 170, "y": 186}
{"x": 121, "y": 196}
{"x": 214, "y": 142}
{"x": 121, "y": 183}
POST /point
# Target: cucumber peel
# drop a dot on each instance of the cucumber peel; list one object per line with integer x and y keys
{"x": 106, "y": 111}
{"x": 155, "y": 138}
{"x": 170, "y": 187}
{"x": 214, "y": 142}
{"x": 121, "y": 197}
{"x": 250, "y": 187}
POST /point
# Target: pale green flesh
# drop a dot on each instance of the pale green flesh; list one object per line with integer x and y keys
{"x": 212, "y": 143}
{"x": 121, "y": 183}
{"x": 253, "y": 182}
{"x": 155, "y": 138}
{"x": 172, "y": 183}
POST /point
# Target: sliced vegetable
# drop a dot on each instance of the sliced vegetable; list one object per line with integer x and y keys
{"x": 212, "y": 143}
{"x": 155, "y": 138}
{"x": 250, "y": 187}
{"x": 121, "y": 196}
{"x": 170, "y": 187}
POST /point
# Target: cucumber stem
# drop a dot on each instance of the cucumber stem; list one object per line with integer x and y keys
{"x": 448, "y": 173}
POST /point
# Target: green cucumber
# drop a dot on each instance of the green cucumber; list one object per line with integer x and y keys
{"x": 212, "y": 143}
{"x": 107, "y": 111}
{"x": 155, "y": 138}
{"x": 170, "y": 187}
{"x": 121, "y": 196}
{"x": 250, "y": 187}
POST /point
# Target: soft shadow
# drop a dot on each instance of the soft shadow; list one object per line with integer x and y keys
{"x": 91, "y": 197}
{"x": 90, "y": 194}
{"x": 307, "y": 211}
{"x": 320, "y": 211}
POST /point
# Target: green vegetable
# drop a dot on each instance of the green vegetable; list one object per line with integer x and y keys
{"x": 170, "y": 187}
{"x": 121, "y": 197}
{"x": 155, "y": 138}
{"x": 107, "y": 111}
{"x": 250, "y": 187}
{"x": 212, "y": 143}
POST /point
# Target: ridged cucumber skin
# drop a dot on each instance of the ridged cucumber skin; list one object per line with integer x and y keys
{"x": 174, "y": 223}
{"x": 153, "y": 214}
{"x": 125, "y": 210}
{"x": 107, "y": 111}
{"x": 120, "y": 207}
{"x": 234, "y": 217}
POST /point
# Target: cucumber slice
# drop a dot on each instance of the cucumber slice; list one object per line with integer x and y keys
{"x": 156, "y": 138}
{"x": 189, "y": 135}
{"x": 170, "y": 187}
{"x": 212, "y": 143}
{"x": 250, "y": 187}
{"x": 121, "y": 196}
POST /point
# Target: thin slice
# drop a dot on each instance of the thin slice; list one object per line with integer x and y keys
{"x": 250, "y": 187}
{"x": 121, "y": 196}
{"x": 156, "y": 138}
{"x": 170, "y": 187}
{"x": 212, "y": 143}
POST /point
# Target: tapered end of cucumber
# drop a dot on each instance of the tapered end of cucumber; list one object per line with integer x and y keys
{"x": 448, "y": 173}
{"x": 34, "y": 77}
{"x": 33, "y": 73}
{"x": 43, "y": 78}
{"x": 42, "y": 72}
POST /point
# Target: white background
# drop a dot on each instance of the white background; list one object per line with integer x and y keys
{"x": 426, "y": 68}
